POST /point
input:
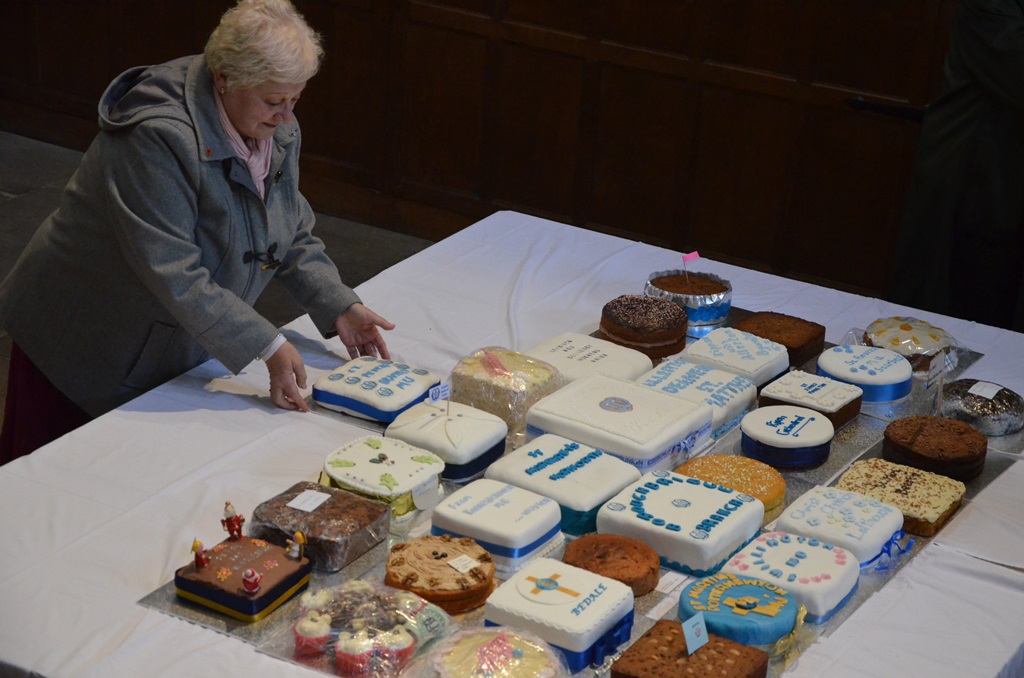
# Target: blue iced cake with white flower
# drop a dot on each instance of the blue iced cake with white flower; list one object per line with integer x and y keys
{"x": 372, "y": 388}
{"x": 882, "y": 374}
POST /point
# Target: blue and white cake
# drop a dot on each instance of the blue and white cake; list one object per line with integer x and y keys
{"x": 759, "y": 360}
{"x": 729, "y": 395}
{"x": 694, "y": 525}
{"x": 647, "y": 429}
{"x": 372, "y": 388}
{"x": 513, "y": 524}
{"x": 786, "y": 436}
{"x": 882, "y": 374}
{"x": 579, "y": 477}
{"x": 819, "y": 575}
{"x": 583, "y": 615}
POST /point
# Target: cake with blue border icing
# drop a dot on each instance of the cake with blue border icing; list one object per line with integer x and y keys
{"x": 579, "y": 477}
{"x": 820, "y": 576}
{"x": 785, "y": 436}
{"x": 372, "y": 388}
{"x": 837, "y": 400}
{"x": 583, "y": 615}
{"x": 742, "y": 353}
{"x": 694, "y": 525}
{"x": 882, "y": 374}
{"x": 744, "y": 609}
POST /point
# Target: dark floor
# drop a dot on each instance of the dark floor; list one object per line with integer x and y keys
{"x": 32, "y": 174}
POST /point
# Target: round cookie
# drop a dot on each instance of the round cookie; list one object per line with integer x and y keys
{"x": 916, "y": 340}
{"x": 948, "y": 447}
{"x": 454, "y": 573}
{"x": 743, "y": 609}
{"x": 624, "y": 559}
{"x": 653, "y": 326}
{"x": 786, "y": 436}
{"x": 882, "y": 374}
{"x": 992, "y": 409}
{"x": 742, "y": 474}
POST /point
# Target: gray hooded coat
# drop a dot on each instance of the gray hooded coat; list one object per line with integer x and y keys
{"x": 146, "y": 269}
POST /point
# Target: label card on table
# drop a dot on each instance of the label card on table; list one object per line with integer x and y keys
{"x": 695, "y": 632}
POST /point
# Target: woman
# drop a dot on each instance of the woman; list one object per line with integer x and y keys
{"x": 184, "y": 207}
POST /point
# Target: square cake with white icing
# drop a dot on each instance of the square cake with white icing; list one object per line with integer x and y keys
{"x": 759, "y": 360}
{"x": 578, "y": 355}
{"x": 579, "y": 477}
{"x": 694, "y": 525}
{"x": 643, "y": 427}
{"x": 729, "y": 395}
{"x": 513, "y": 524}
{"x": 837, "y": 400}
{"x": 466, "y": 438}
{"x": 583, "y": 615}
{"x": 372, "y": 388}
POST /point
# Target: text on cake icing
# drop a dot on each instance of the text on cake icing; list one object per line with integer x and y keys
{"x": 591, "y": 597}
{"x": 492, "y": 499}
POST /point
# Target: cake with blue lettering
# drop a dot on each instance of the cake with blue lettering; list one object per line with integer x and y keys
{"x": 866, "y": 527}
{"x": 819, "y": 575}
{"x": 785, "y": 436}
{"x": 694, "y": 525}
{"x": 729, "y": 395}
{"x": 837, "y": 400}
{"x": 578, "y": 355}
{"x": 578, "y": 477}
{"x": 882, "y": 374}
{"x": 467, "y": 439}
{"x": 759, "y": 360}
{"x": 513, "y": 524}
{"x": 744, "y": 609}
{"x": 372, "y": 388}
{"x": 406, "y": 478}
{"x": 643, "y": 427}
{"x": 581, "y": 614}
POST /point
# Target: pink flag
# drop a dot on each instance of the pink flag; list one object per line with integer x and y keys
{"x": 690, "y": 257}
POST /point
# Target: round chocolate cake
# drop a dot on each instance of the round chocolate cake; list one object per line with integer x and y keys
{"x": 948, "y": 447}
{"x": 656, "y": 327}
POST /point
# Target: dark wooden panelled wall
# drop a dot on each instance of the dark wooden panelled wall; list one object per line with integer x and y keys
{"x": 776, "y": 134}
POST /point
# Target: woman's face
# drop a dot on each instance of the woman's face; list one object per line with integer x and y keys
{"x": 257, "y": 111}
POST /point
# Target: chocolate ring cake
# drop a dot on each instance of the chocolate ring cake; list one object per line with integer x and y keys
{"x": 653, "y": 326}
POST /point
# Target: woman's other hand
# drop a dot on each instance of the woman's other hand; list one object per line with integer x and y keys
{"x": 358, "y": 330}
{"x": 287, "y": 376}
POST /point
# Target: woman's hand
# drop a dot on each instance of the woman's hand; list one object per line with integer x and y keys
{"x": 287, "y": 376}
{"x": 357, "y": 329}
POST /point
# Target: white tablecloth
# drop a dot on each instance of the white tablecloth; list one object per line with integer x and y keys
{"x": 102, "y": 517}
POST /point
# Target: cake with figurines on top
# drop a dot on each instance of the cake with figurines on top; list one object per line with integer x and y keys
{"x": 729, "y": 395}
{"x": 759, "y": 360}
{"x": 653, "y": 326}
{"x": 643, "y": 427}
{"x": 372, "y": 388}
{"x": 578, "y": 355}
{"x": 837, "y": 400}
{"x": 578, "y": 477}
{"x": 785, "y": 436}
{"x": 881, "y": 374}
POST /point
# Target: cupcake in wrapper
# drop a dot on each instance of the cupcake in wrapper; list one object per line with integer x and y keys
{"x": 706, "y": 297}
{"x": 312, "y": 633}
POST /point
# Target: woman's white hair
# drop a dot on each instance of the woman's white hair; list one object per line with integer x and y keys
{"x": 258, "y": 41}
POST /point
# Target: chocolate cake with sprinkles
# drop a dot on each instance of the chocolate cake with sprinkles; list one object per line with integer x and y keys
{"x": 653, "y": 326}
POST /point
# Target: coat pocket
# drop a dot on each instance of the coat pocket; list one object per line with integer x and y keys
{"x": 148, "y": 370}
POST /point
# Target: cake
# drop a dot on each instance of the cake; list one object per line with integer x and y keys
{"x": 866, "y": 527}
{"x": 992, "y": 409}
{"x": 694, "y": 525}
{"x": 948, "y": 447}
{"x": 505, "y": 383}
{"x": 648, "y": 429}
{"x": 578, "y": 355}
{"x": 803, "y": 339}
{"x": 918, "y": 341}
{"x": 705, "y": 297}
{"x": 312, "y": 634}
{"x": 336, "y": 526}
{"x": 759, "y": 360}
{"x": 465, "y": 438}
{"x": 881, "y": 374}
{"x": 744, "y": 609}
{"x": 837, "y": 400}
{"x": 583, "y": 615}
{"x": 623, "y": 559}
{"x": 244, "y": 578}
{"x": 927, "y": 500}
{"x": 498, "y": 652}
{"x": 372, "y": 388}
{"x": 787, "y": 437}
{"x": 454, "y": 573}
{"x": 358, "y": 652}
{"x": 819, "y": 575}
{"x": 653, "y": 326}
{"x": 661, "y": 652}
{"x": 578, "y": 477}
{"x": 513, "y": 524}
{"x": 728, "y": 395}
{"x": 402, "y": 476}
{"x": 742, "y": 474}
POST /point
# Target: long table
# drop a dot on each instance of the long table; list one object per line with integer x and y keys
{"x": 102, "y": 517}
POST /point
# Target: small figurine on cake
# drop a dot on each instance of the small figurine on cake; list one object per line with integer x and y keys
{"x": 202, "y": 558}
{"x": 232, "y": 522}
{"x": 296, "y": 545}
{"x": 251, "y": 580}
